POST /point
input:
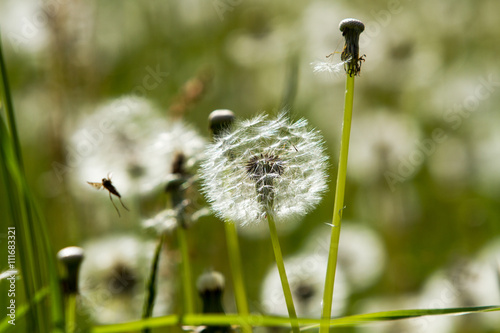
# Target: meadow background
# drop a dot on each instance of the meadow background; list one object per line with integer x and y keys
{"x": 425, "y": 150}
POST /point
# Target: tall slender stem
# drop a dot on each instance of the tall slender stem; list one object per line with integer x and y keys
{"x": 281, "y": 269}
{"x": 338, "y": 206}
{"x": 70, "y": 312}
{"x": 236, "y": 271}
{"x": 186, "y": 272}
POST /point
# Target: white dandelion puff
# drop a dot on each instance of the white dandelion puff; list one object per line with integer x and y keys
{"x": 113, "y": 275}
{"x": 265, "y": 166}
{"x": 130, "y": 137}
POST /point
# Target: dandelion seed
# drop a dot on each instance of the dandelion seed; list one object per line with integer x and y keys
{"x": 265, "y": 166}
{"x": 330, "y": 67}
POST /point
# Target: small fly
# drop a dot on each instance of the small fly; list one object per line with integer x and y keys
{"x": 106, "y": 183}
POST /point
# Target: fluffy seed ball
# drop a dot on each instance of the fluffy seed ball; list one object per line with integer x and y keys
{"x": 265, "y": 166}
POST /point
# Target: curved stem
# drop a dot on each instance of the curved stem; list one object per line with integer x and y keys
{"x": 338, "y": 207}
{"x": 281, "y": 269}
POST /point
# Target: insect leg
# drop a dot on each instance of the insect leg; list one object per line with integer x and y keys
{"x": 123, "y": 204}
{"x": 114, "y": 204}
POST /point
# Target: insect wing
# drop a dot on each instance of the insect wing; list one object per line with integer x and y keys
{"x": 96, "y": 185}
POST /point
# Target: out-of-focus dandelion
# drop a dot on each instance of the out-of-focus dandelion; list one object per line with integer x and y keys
{"x": 130, "y": 137}
{"x": 361, "y": 255}
{"x": 265, "y": 167}
{"x": 113, "y": 276}
{"x": 385, "y": 140}
{"x": 306, "y": 273}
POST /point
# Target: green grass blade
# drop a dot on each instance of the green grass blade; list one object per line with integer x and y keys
{"x": 274, "y": 321}
{"x": 34, "y": 250}
{"x": 150, "y": 294}
{"x": 23, "y": 310}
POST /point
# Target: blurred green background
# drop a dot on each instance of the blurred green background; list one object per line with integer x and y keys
{"x": 425, "y": 151}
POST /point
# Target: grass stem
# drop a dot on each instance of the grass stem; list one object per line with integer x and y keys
{"x": 186, "y": 272}
{"x": 281, "y": 269}
{"x": 338, "y": 206}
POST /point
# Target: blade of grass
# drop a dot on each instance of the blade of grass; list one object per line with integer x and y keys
{"x": 149, "y": 299}
{"x": 274, "y": 321}
{"x": 22, "y": 310}
{"x": 35, "y": 265}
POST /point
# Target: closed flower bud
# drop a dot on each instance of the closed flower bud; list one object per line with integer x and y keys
{"x": 71, "y": 257}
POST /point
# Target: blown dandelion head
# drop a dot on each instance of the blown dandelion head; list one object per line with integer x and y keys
{"x": 265, "y": 166}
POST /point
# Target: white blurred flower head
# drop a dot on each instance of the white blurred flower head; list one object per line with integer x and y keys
{"x": 306, "y": 275}
{"x": 128, "y": 137}
{"x": 113, "y": 277}
{"x": 361, "y": 252}
{"x": 384, "y": 140}
{"x": 265, "y": 166}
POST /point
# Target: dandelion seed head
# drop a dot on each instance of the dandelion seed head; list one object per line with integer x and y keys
{"x": 265, "y": 166}
{"x": 130, "y": 138}
{"x": 112, "y": 278}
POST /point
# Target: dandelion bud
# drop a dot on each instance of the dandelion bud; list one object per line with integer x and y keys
{"x": 265, "y": 167}
{"x": 220, "y": 121}
{"x": 71, "y": 257}
{"x": 351, "y": 29}
{"x": 211, "y": 287}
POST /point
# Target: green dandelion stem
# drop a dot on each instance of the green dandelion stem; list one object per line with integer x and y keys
{"x": 70, "y": 312}
{"x": 281, "y": 269}
{"x": 187, "y": 288}
{"x": 338, "y": 206}
{"x": 236, "y": 271}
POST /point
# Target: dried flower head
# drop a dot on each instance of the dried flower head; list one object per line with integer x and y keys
{"x": 351, "y": 29}
{"x": 265, "y": 166}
